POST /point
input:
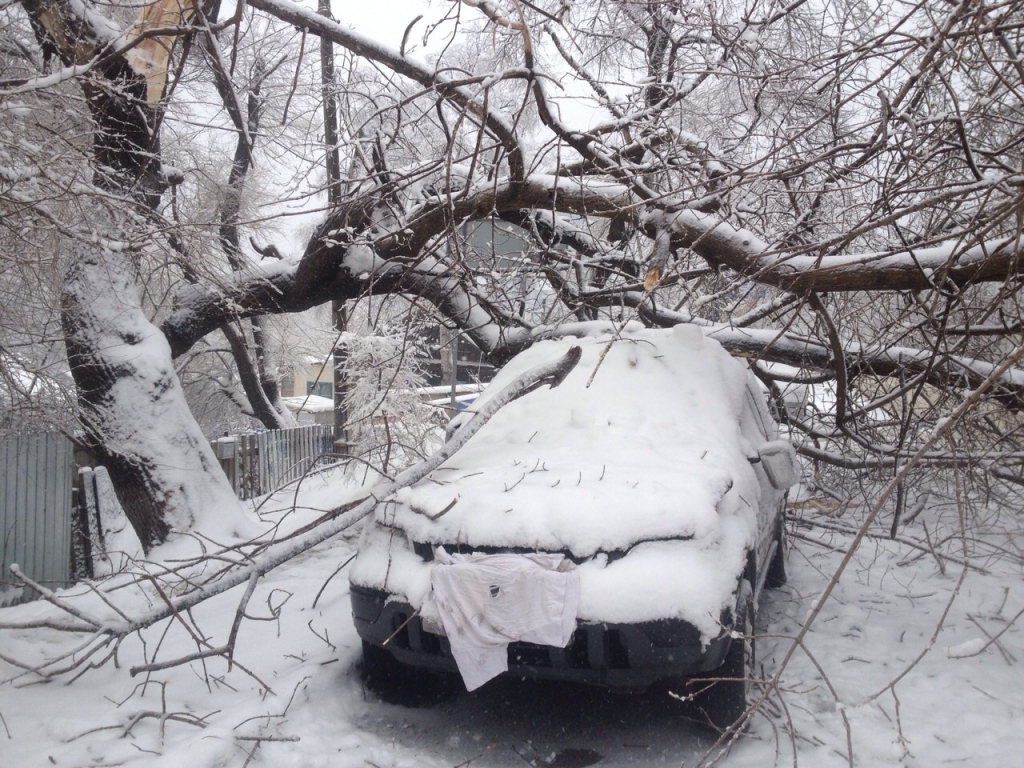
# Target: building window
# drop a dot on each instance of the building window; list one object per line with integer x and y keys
{"x": 320, "y": 389}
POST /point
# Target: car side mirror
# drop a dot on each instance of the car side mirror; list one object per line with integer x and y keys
{"x": 779, "y": 461}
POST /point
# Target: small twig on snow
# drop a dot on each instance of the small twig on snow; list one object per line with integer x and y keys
{"x": 996, "y": 637}
{"x": 337, "y": 570}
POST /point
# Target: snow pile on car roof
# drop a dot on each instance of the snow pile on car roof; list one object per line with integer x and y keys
{"x": 641, "y": 442}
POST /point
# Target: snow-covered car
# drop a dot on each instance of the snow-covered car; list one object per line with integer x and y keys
{"x": 654, "y": 468}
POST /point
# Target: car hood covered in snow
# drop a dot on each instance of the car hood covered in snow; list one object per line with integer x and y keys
{"x": 641, "y": 442}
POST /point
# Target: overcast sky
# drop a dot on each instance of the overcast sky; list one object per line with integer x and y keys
{"x": 386, "y": 20}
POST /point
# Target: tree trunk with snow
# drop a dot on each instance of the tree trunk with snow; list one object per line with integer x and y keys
{"x": 132, "y": 405}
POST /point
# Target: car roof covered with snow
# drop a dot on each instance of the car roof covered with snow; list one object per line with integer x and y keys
{"x": 641, "y": 442}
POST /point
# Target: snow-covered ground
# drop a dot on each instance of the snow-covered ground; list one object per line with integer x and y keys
{"x": 295, "y": 698}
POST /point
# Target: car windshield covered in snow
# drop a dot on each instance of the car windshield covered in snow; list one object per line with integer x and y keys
{"x": 654, "y": 470}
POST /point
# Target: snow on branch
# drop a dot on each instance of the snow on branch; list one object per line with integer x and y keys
{"x": 289, "y": 287}
{"x": 774, "y": 345}
{"x": 395, "y": 266}
{"x": 492, "y": 12}
{"x": 948, "y": 371}
{"x": 907, "y": 269}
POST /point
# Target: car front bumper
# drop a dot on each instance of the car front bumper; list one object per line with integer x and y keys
{"x": 617, "y": 656}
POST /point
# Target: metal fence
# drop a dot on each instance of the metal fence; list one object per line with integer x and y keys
{"x": 36, "y": 493}
{"x": 263, "y": 462}
{"x": 35, "y": 511}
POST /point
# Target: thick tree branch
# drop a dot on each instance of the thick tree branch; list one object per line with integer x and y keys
{"x": 391, "y": 263}
{"x": 339, "y": 266}
{"x": 124, "y": 92}
{"x": 899, "y": 270}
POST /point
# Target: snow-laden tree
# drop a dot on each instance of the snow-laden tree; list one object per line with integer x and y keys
{"x": 832, "y": 190}
{"x": 389, "y": 423}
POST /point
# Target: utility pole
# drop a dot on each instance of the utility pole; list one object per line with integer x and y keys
{"x": 453, "y": 365}
{"x": 453, "y": 341}
{"x": 339, "y": 313}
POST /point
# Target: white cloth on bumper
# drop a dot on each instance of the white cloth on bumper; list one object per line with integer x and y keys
{"x": 487, "y": 601}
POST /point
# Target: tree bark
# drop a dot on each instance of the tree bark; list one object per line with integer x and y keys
{"x": 132, "y": 406}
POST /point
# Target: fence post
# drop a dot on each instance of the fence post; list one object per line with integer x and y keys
{"x": 88, "y": 521}
{"x": 227, "y": 451}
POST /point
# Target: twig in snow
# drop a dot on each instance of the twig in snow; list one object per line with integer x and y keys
{"x": 931, "y": 642}
{"x": 996, "y": 637}
{"x": 337, "y": 570}
{"x": 464, "y": 763}
{"x": 250, "y": 755}
{"x": 838, "y": 527}
{"x": 325, "y": 637}
{"x": 517, "y": 482}
{"x": 227, "y": 650}
{"x": 1008, "y": 657}
{"x": 163, "y": 717}
{"x": 931, "y": 549}
{"x": 835, "y": 695}
{"x": 157, "y": 666}
{"x": 282, "y": 714}
{"x": 47, "y": 595}
{"x": 899, "y": 727}
{"x": 818, "y": 542}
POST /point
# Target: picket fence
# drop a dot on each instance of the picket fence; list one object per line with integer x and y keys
{"x": 263, "y": 462}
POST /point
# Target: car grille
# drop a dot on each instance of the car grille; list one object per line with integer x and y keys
{"x": 593, "y": 646}
{"x": 425, "y": 550}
